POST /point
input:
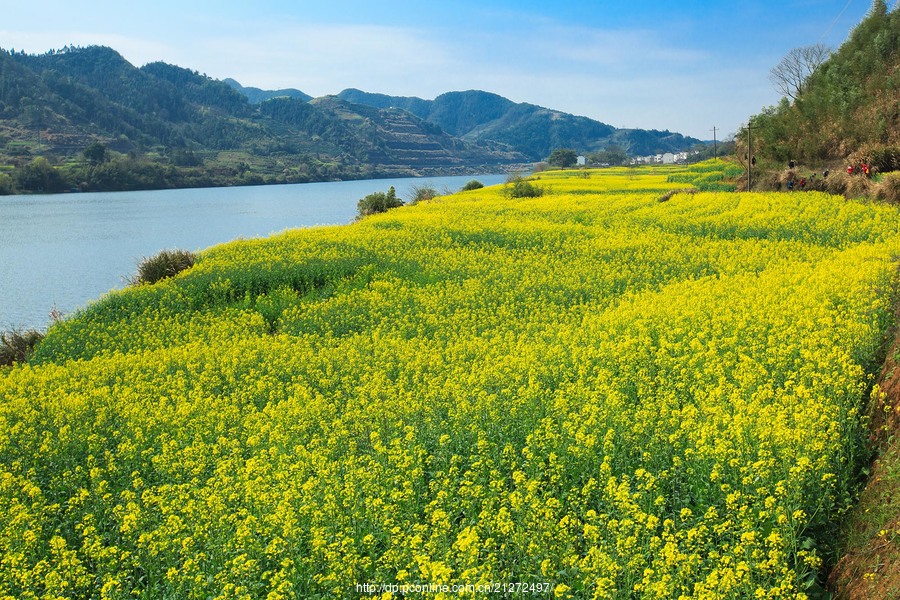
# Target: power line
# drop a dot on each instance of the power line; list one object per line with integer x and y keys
{"x": 836, "y": 19}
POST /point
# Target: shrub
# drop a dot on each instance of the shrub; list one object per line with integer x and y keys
{"x": 16, "y": 346}
{"x": 837, "y": 182}
{"x": 378, "y": 202}
{"x": 888, "y": 189}
{"x": 858, "y": 186}
{"x": 167, "y": 263}
{"x": 472, "y": 185}
{"x": 422, "y": 192}
{"x": 96, "y": 153}
{"x": 6, "y": 184}
{"x": 40, "y": 176}
{"x": 517, "y": 187}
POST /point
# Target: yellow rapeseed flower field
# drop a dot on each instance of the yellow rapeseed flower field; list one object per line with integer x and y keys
{"x": 591, "y": 391}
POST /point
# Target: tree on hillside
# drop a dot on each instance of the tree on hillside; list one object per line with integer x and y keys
{"x": 849, "y": 102}
{"x": 563, "y": 158}
{"x": 790, "y": 75}
{"x": 96, "y": 153}
{"x": 39, "y": 176}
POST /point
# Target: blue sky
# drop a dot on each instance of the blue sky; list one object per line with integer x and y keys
{"x": 685, "y": 66}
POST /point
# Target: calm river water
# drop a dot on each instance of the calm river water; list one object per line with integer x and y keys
{"x": 60, "y": 252}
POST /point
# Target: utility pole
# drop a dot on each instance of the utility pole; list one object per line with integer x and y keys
{"x": 750, "y": 160}
{"x": 715, "y": 144}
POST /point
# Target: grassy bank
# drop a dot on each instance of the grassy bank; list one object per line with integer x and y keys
{"x": 591, "y": 391}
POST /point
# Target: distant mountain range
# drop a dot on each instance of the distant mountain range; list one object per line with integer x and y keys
{"x": 58, "y": 103}
{"x": 487, "y": 119}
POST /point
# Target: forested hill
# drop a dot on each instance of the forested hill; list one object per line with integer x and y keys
{"x": 483, "y": 117}
{"x": 256, "y": 95}
{"x": 848, "y": 108}
{"x": 162, "y": 125}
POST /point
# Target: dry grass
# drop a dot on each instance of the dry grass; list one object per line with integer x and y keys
{"x": 16, "y": 346}
{"x": 858, "y": 186}
{"x": 888, "y": 189}
{"x": 837, "y": 183}
{"x": 881, "y": 158}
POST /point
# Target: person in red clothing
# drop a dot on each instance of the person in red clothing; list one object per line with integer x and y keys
{"x": 849, "y": 169}
{"x": 865, "y": 169}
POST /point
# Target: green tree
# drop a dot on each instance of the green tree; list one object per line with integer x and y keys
{"x": 563, "y": 158}
{"x": 39, "y": 176}
{"x": 849, "y": 102}
{"x": 6, "y": 184}
{"x": 613, "y": 155}
{"x": 96, "y": 153}
{"x": 185, "y": 157}
{"x": 378, "y": 202}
